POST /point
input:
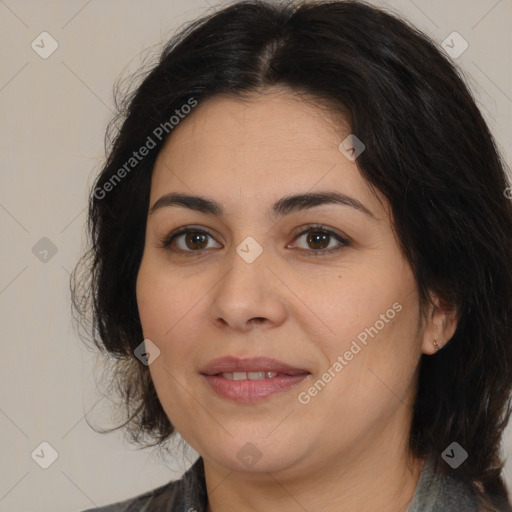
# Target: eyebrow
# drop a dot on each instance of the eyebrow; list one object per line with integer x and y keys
{"x": 283, "y": 206}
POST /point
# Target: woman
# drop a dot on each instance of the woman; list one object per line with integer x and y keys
{"x": 301, "y": 262}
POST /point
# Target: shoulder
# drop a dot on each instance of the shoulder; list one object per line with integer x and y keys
{"x": 141, "y": 502}
{"x": 446, "y": 492}
{"x": 144, "y": 502}
{"x": 184, "y": 495}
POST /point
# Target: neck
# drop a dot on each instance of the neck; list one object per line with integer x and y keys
{"x": 355, "y": 482}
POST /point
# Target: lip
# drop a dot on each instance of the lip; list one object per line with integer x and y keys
{"x": 252, "y": 364}
{"x": 251, "y": 390}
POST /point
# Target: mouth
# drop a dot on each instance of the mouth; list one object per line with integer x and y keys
{"x": 250, "y": 375}
{"x": 251, "y": 380}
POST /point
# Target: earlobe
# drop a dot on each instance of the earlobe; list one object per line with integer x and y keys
{"x": 441, "y": 324}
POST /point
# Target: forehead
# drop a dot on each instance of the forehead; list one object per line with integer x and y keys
{"x": 258, "y": 148}
{"x": 277, "y": 120}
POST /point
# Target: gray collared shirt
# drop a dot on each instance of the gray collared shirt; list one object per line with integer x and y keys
{"x": 434, "y": 493}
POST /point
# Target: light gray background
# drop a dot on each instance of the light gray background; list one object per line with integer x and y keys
{"x": 54, "y": 113}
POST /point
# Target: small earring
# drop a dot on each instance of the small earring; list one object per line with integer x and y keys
{"x": 437, "y": 346}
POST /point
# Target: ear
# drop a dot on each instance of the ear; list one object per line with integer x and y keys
{"x": 440, "y": 325}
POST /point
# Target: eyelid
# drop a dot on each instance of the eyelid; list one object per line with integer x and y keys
{"x": 320, "y": 227}
{"x": 168, "y": 238}
{"x": 165, "y": 241}
{"x": 343, "y": 239}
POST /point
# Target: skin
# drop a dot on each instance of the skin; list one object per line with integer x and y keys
{"x": 345, "y": 450}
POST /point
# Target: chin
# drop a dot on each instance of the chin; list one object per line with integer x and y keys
{"x": 250, "y": 460}
{"x": 252, "y": 454}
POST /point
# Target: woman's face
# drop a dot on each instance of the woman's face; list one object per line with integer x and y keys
{"x": 256, "y": 280}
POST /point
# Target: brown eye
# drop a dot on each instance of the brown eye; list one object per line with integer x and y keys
{"x": 318, "y": 239}
{"x": 187, "y": 240}
{"x": 196, "y": 240}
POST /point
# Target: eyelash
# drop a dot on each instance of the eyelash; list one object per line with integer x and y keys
{"x": 165, "y": 242}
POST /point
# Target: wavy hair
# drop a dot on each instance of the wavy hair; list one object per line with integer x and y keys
{"x": 428, "y": 150}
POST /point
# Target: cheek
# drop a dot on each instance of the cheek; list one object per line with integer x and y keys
{"x": 163, "y": 306}
{"x": 162, "y": 302}
{"x": 169, "y": 311}
{"x": 375, "y": 360}
{"x": 373, "y": 321}
{"x": 352, "y": 304}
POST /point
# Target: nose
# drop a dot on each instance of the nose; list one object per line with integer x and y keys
{"x": 249, "y": 294}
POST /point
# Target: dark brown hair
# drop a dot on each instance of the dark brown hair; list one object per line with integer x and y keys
{"x": 428, "y": 150}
